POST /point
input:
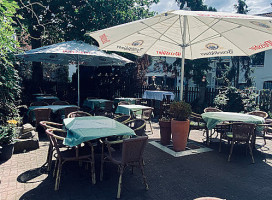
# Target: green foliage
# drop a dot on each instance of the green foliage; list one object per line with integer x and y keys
{"x": 180, "y": 111}
{"x": 241, "y": 7}
{"x": 230, "y": 99}
{"x": 195, "y": 69}
{"x": 58, "y": 20}
{"x": 196, "y": 5}
{"x": 8, "y": 133}
{"x": 9, "y": 79}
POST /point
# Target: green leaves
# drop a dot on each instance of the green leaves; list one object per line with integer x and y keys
{"x": 9, "y": 85}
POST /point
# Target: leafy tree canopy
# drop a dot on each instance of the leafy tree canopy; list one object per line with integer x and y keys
{"x": 57, "y": 20}
{"x": 196, "y": 5}
{"x": 9, "y": 79}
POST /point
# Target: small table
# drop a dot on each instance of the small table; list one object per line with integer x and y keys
{"x": 54, "y": 108}
{"x": 129, "y": 109}
{"x": 157, "y": 95}
{"x": 214, "y": 118}
{"x": 48, "y": 99}
{"x": 93, "y": 103}
{"x": 82, "y": 129}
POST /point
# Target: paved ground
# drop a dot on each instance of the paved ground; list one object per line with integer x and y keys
{"x": 185, "y": 178}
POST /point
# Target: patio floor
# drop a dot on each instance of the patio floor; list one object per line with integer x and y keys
{"x": 186, "y": 177}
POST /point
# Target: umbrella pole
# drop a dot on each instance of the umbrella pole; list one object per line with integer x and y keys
{"x": 78, "y": 86}
{"x": 183, "y": 57}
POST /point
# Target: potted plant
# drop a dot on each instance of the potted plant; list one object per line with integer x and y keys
{"x": 7, "y": 139}
{"x": 180, "y": 124}
{"x": 165, "y": 127}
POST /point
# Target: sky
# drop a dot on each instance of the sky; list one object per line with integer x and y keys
{"x": 255, "y": 6}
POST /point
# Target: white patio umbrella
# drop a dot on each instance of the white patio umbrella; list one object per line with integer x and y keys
{"x": 189, "y": 35}
{"x": 74, "y": 52}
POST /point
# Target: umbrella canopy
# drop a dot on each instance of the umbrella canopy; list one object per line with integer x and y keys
{"x": 190, "y": 35}
{"x": 74, "y": 52}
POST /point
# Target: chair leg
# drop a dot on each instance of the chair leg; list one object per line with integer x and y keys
{"x": 102, "y": 163}
{"x": 58, "y": 175}
{"x": 250, "y": 151}
{"x": 220, "y": 142}
{"x": 144, "y": 177}
{"x": 55, "y": 168}
{"x": 151, "y": 127}
{"x": 120, "y": 182}
{"x": 92, "y": 166}
{"x": 231, "y": 149}
{"x": 49, "y": 157}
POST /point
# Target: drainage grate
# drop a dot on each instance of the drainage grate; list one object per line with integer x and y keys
{"x": 191, "y": 148}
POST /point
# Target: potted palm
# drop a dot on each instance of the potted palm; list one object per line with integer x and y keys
{"x": 165, "y": 128}
{"x": 7, "y": 140}
{"x": 180, "y": 124}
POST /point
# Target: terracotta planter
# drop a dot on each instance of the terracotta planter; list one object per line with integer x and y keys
{"x": 165, "y": 131}
{"x": 6, "y": 151}
{"x": 180, "y": 130}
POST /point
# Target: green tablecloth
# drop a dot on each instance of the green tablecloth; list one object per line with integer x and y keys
{"x": 82, "y": 129}
{"x": 92, "y": 103}
{"x": 54, "y": 108}
{"x": 128, "y": 109}
{"x": 213, "y": 118}
{"x": 47, "y": 98}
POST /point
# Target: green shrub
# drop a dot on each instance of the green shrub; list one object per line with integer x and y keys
{"x": 180, "y": 111}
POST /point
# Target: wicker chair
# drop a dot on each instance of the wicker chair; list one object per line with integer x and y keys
{"x": 84, "y": 154}
{"x": 122, "y": 118}
{"x": 146, "y": 115}
{"x": 58, "y": 130}
{"x": 131, "y": 155}
{"x": 123, "y": 103}
{"x": 259, "y": 113}
{"x": 40, "y": 114}
{"x": 39, "y": 103}
{"x": 108, "y": 109}
{"x": 78, "y": 114}
{"x": 138, "y": 125}
{"x": 240, "y": 132}
{"x": 64, "y": 112}
{"x": 197, "y": 123}
{"x": 60, "y": 103}
{"x": 212, "y": 109}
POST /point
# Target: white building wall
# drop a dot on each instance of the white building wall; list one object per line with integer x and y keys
{"x": 262, "y": 74}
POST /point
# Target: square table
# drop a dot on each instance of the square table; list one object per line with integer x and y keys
{"x": 48, "y": 99}
{"x": 129, "y": 109}
{"x": 214, "y": 118}
{"x": 93, "y": 103}
{"x": 54, "y": 108}
{"x": 82, "y": 129}
{"x": 157, "y": 95}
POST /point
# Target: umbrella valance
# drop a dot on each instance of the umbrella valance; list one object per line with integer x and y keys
{"x": 189, "y": 35}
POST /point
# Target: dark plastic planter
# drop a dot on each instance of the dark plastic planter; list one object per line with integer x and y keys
{"x": 6, "y": 151}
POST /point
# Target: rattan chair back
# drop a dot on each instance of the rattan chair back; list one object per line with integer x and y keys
{"x": 212, "y": 109}
{"x": 259, "y": 113}
{"x": 78, "y": 114}
{"x": 123, "y": 118}
{"x": 123, "y": 103}
{"x": 60, "y": 103}
{"x": 138, "y": 125}
{"x": 40, "y": 114}
{"x": 242, "y": 131}
{"x": 132, "y": 149}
